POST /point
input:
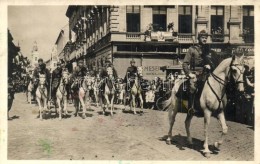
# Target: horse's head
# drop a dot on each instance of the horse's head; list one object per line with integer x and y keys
{"x": 110, "y": 72}
{"x": 42, "y": 79}
{"x": 88, "y": 81}
{"x": 236, "y": 71}
{"x": 140, "y": 71}
{"x": 65, "y": 77}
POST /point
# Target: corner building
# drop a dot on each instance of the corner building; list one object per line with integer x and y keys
{"x": 155, "y": 36}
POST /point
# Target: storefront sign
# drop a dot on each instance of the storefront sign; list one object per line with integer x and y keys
{"x": 153, "y": 71}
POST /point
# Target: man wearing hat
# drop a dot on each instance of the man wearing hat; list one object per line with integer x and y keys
{"x": 131, "y": 73}
{"x": 197, "y": 59}
{"x": 103, "y": 72}
{"x": 42, "y": 70}
{"x": 56, "y": 76}
{"x": 79, "y": 73}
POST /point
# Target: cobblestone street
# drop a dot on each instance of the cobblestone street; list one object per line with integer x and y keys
{"x": 122, "y": 137}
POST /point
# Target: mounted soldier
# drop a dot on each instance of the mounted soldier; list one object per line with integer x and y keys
{"x": 41, "y": 69}
{"x": 78, "y": 74}
{"x": 56, "y": 76}
{"x": 103, "y": 72}
{"x": 197, "y": 64}
{"x": 131, "y": 73}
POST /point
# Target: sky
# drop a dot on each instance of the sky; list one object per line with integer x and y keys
{"x": 36, "y": 23}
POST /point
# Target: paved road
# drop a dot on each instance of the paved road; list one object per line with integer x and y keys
{"x": 122, "y": 137}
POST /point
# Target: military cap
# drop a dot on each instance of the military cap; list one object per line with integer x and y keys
{"x": 58, "y": 63}
{"x": 80, "y": 61}
{"x": 202, "y": 33}
{"x": 40, "y": 60}
{"x": 132, "y": 61}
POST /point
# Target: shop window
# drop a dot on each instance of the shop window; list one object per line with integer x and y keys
{"x": 217, "y": 23}
{"x": 248, "y": 23}
{"x": 185, "y": 19}
{"x": 133, "y": 18}
{"x": 159, "y": 18}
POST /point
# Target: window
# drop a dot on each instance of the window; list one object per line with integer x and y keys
{"x": 217, "y": 19}
{"x": 159, "y": 18}
{"x": 248, "y": 19}
{"x": 133, "y": 18}
{"x": 185, "y": 19}
{"x": 248, "y": 24}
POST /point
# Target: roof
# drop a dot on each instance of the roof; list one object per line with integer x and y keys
{"x": 70, "y": 10}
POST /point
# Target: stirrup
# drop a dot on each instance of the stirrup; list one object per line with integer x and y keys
{"x": 191, "y": 110}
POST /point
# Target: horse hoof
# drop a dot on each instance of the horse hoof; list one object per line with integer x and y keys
{"x": 207, "y": 155}
{"x": 217, "y": 145}
{"x": 83, "y": 116}
{"x": 168, "y": 141}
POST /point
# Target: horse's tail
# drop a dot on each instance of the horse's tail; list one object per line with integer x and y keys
{"x": 169, "y": 103}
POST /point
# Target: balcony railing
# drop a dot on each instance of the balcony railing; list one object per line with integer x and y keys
{"x": 185, "y": 38}
{"x": 133, "y": 36}
{"x": 127, "y": 36}
{"x": 163, "y": 36}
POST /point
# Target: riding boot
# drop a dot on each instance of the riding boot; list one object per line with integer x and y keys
{"x": 191, "y": 108}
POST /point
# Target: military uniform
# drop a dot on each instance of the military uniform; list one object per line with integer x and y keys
{"x": 56, "y": 76}
{"x": 196, "y": 58}
{"x": 42, "y": 70}
{"x": 103, "y": 73}
{"x": 78, "y": 76}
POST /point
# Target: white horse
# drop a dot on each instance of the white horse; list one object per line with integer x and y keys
{"x": 29, "y": 91}
{"x": 61, "y": 93}
{"x": 83, "y": 97}
{"x": 41, "y": 94}
{"x": 96, "y": 89}
{"x": 213, "y": 98}
{"x": 136, "y": 92}
{"x": 109, "y": 91}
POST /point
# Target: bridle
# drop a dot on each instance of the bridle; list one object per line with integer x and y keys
{"x": 224, "y": 82}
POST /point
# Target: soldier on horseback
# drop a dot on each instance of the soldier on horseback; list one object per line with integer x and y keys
{"x": 41, "y": 69}
{"x": 78, "y": 74}
{"x": 56, "y": 76}
{"x": 196, "y": 61}
{"x": 103, "y": 72}
{"x": 131, "y": 73}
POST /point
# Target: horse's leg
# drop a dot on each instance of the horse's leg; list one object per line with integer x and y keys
{"x": 188, "y": 119}
{"x": 124, "y": 101}
{"x": 207, "y": 115}
{"x": 59, "y": 106}
{"x": 65, "y": 101}
{"x": 40, "y": 107}
{"x": 83, "y": 107}
{"x": 172, "y": 112}
{"x": 222, "y": 121}
{"x": 76, "y": 105}
{"x": 141, "y": 103}
{"x": 112, "y": 104}
{"x": 133, "y": 102}
{"x": 107, "y": 101}
{"x": 30, "y": 97}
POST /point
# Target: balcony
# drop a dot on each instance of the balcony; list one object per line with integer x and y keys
{"x": 162, "y": 36}
{"x": 127, "y": 36}
{"x": 185, "y": 38}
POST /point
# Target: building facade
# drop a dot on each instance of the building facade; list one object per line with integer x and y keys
{"x": 34, "y": 55}
{"x": 154, "y": 36}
